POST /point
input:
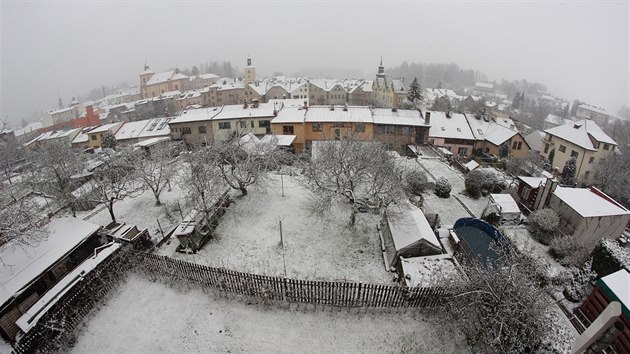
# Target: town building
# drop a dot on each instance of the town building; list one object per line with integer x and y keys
{"x": 583, "y": 140}
{"x": 552, "y": 121}
{"x": 451, "y": 132}
{"x": 599, "y": 115}
{"x": 153, "y": 85}
{"x": 494, "y": 138}
{"x": 134, "y": 132}
{"x": 95, "y": 136}
{"x": 388, "y": 93}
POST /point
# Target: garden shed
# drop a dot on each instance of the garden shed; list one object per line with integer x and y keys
{"x": 407, "y": 233}
{"x": 504, "y": 207}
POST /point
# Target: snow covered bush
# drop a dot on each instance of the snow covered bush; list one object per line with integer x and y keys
{"x": 567, "y": 251}
{"x": 442, "y": 188}
{"x": 543, "y": 225}
{"x": 483, "y": 181}
{"x": 415, "y": 182}
{"x": 609, "y": 257}
{"x": 580, "y": 284}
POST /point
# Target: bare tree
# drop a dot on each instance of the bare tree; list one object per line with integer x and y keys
{"x": 10, "y": 151}
{"x": 156, "y": 169}
{"x": 613, "y": 177}
{"x": 243, "y": 161}
{"x": 115, "y": 180}
{"x": 18, "y": 216}
{"x": 362, "y": 173}
{"x": 56, "y": 169}
{"x": 498, "y": 306}
{"x": 201, "y": 178}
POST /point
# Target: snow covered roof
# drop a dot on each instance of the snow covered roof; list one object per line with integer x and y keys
{"x": 353, "y": 114}
{"x": 506, "y": 202}
{"x": 196, "y": 115}
{"x": 534, "y": 139}
{"x": 580, "y": 134}
{"x": 278, "y": 140}
{"x": 82, "y": 137}
{"x": 556, "y": 120}
{"x": 400, "y": 117}
{"x": 28, "y": 128}
{"x": 484, "y": 85}
{"x": 227, "y": 83}
{"x": 594, "y": 109}
{"x": 324, "y": 84}
{"x": 399, "y": 86}
{"x": 489, "y": 130}
{"x": 289, "y": 102}
{"x": 471, "y": 165}
{"x": 455, "y": 127}
{"x": 164, "y": 77}
{"x": 588, "y": 203}
{"x": 39, "y": 309}
{"x": 290, "y": 115}
{"x": 428, "y": 271}
{"x": 152, "y": 141}
{"x": 239, "y": 111}
{"x": 533, "y": 182}
{"x": 411, "y": 226}
{"x": 106, "y": 128}
{"x": 22, "y": 264}
{"x": 619, "y": 283}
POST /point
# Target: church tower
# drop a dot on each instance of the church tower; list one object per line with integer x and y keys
{"x": 381, "y": 70}
{"x": 145, "y": 76}
{"x": 249, "y": 72}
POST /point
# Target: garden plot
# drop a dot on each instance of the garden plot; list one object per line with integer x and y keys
{"x": 315, "y": 247}
{"x": 190, "y": 321}
{"x": 143, "y": 212}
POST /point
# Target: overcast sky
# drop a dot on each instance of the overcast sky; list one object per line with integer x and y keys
{"x": 578, "y": 49}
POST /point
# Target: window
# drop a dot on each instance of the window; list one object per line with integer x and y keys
{"x": 606, "y": 146}
{"x": 591, "y": 159}
{"x": 251, "y": 123}
{"x": 243, "y": 124}
{"x": 317, "y": 127}
{"x": 514, "y": 145}
{"x": 287, "y": 129}
{"x": 562, "y": 148}
{"x": 389, "y": 129}
{"x": 224, "y": 125}
{"x": 487, "y": 150}
{"x": 406, "y": 131}
{"x": 202, "y": 129}
{"x": 574, "y": 154}
{"x": 264, "y": 123}
{"x": 546, "y": 148}
{"x": 185, "y": 130}
{"x": 462, "y": 151}
{"x": 520, "y": 144}
{"x": 587, "y": 174}
{"x": 93, "y": 137}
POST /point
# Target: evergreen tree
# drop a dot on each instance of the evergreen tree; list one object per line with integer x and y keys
{"x": 195, "y": 71}
{"x": 415, "y": 92}
{"x": 574, "y": 107}
{"x": 568, "y": 172}
{"x": 517, "y": 101}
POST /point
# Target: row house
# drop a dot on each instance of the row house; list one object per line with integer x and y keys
{"x": 392, "y": 127}
{"x": 96, "y": 135}
{"x": 134, "y": 132}
{"x": 153, "y": 85}
{"x": 583, "y": 140}
{"x": 451, "y": 132}
{"x": 494, "y": 138}
{"x": 206, "y": 125}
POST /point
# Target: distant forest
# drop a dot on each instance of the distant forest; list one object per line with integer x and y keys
{"x": 451, "y": 76}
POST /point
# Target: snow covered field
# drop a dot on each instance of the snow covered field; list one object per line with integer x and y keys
{"x": 248, "y": 238}
{"x": 166, "y": 320}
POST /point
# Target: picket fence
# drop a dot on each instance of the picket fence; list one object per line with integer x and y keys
{"x": 333, "y": 293}
{"x": 57, "y": 328}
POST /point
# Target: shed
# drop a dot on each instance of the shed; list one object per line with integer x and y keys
{"x": 407, "y": 233}
{"x": 505, "y": 207}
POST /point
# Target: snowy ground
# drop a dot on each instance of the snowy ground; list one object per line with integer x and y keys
{"x": 188, "y": 321}
{"x": 248, "y": 238}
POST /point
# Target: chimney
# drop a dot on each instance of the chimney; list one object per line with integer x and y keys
{"x": 555, "y": 173}
{"x": 544, "y": 195}
{"x": 345, "y": 107}
{"x": 255, "y": 102}
{"x": 245, "y": 104}
{"x": 332, "y": 107}
{"x": 305, "y": 105}
{"x": 92, "y": 119}
{"x": 427, "y": 118}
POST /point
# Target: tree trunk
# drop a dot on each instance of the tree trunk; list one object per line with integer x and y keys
{"x": 353, "y": 216}
{"x": 110, "y": 208}
{"x": 243, "y": 190}
{"x": 157, "y": 198}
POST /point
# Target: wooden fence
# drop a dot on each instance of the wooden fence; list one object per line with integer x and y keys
{"x": 56, "y": 328}
{"x": 332, "y": 293}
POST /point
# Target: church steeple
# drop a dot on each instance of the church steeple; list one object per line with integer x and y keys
{"x": 381, "y": 69}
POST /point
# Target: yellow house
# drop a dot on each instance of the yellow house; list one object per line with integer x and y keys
{"x": 290, "y": 121}
{"x": 497, "y": 136}
{"x": 334, "y": 122}
{"x": 95, "y": 136}
{"x": 585, "y": 141}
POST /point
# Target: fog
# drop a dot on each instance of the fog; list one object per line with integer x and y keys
{"x": 64, "y": 49}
